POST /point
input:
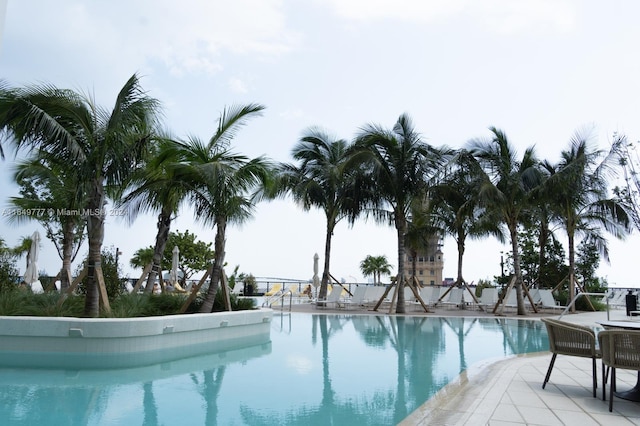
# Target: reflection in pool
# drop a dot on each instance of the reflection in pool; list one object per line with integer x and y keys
{"x": 318, "y": 369}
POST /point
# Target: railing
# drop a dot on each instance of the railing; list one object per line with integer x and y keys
{"x": 280, "y": 295}
{"x": 585, "y": 294}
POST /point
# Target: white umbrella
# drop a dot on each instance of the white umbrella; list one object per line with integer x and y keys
{"x": 316, "y": 279}
{"x": 173, "y": 274}
{"x": 31, "y": 273}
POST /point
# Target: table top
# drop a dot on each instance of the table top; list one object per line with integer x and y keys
{"x": 629, "y": 325}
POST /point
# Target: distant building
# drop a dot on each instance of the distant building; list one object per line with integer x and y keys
{"x": 429, "y": 263}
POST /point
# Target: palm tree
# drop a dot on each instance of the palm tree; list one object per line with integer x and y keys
{"x": 322, "y": 180}
{"x": 375, "y": 266}
{"x": 225, "y": 185}
{"x": 156, "y": 188}
{"x": 51, "y": 190}
{"x": 578, "y": 195}
{"x": 455, "y": 209}
{"x": 104, "y": 146}
{"x": 506, "y": 189}
{"x": 400, "y": 164}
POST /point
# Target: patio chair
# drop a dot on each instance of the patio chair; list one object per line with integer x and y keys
{"x": 572, "y": 340}
{"x": 620, "y": 349}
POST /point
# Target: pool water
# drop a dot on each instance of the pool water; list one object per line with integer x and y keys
{"x": 317, "y": 370}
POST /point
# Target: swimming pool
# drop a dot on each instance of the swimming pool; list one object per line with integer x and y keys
{"x": 318, "y": 369}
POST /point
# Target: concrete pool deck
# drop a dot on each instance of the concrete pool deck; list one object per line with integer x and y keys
{"x": 509, "y": 392}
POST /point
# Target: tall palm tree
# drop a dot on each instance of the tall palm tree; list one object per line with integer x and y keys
{"x": 51, "y": 190}
{"x": 375, "y": 266}
{"x": 323, "y": 180}
{"x": 401, "y": 165}
{"x": 104, "y": 146}
{"x": 579, "y": 199}
{"x": 506, "y": 189}
{"x": 455, "y": 209}
{"x": 155, "y": 187}
{"x": 224, "y": 184}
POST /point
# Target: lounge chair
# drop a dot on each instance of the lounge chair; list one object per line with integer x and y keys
{"x": 274, "y": 289}
{"x": 436, "y": 293}
{"x": 454, "y": 298}
{"x": 294, "y": 289}
{"x": 573, "y": 340}
{"x": 489, "y": 297}
{"x": 620, "y": 349}
{"x": 332, "y": 299}
{"x": 374, "y": 293}
{"x": 359, "y": 298}
{"x": 237, "y": 288}
{"x": 547, "y": 301}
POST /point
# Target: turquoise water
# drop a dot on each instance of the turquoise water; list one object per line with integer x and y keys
{"x": 317, "y": 370}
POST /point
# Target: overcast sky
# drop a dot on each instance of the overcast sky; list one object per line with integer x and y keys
{"x": 538, "y": 70}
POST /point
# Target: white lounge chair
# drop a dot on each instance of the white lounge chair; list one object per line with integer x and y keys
{"x": 489, "y": 297}
{"x": 332, "y": 299}
{"x": 547, "y": 301}
{"x": 374, "y": 294}
{"x": 454, "y": 298}
{"x": 359, "y": 298}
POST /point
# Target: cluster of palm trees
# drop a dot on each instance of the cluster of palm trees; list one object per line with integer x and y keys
{"x": 88, "y": 154}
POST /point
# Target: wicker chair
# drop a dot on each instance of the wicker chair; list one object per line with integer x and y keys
{"x": 573, "y": 340}
{"x": 620, "y": 349}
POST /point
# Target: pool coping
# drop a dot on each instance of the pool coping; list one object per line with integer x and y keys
{"x": 126, "y": 342}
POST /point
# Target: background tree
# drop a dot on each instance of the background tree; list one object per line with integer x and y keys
{"x": 628, "y": 191}
{"x": 323, "y": 180}
{"x": 506, "y": 188}
{"x": 375, "y": 266}
{"x": 400, "y": 164}
{"x": 111, "y": 271}
{"x": 104, "y": 146}
{"x": 195, "y": 255}
{"x": 8, "y": 268}
{"x": 52, "y": 191}
{"x": 552, "y": 269}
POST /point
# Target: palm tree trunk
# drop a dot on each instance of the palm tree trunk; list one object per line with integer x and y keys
{"x": 401, "y": 228}
{"x": 67, "y": 254}
{"x": 516, "y": 268}
{"x": 572, "y": 270}
{"x": 543, "y": 237}
{"x": 95, "y": 228}
{"x": 327, "y": 261}
{"x": 414, "y": 265}
{"x": 216, "y": 273}
{"x": 459, "y": 279}
{"x": 164, "y": 225}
